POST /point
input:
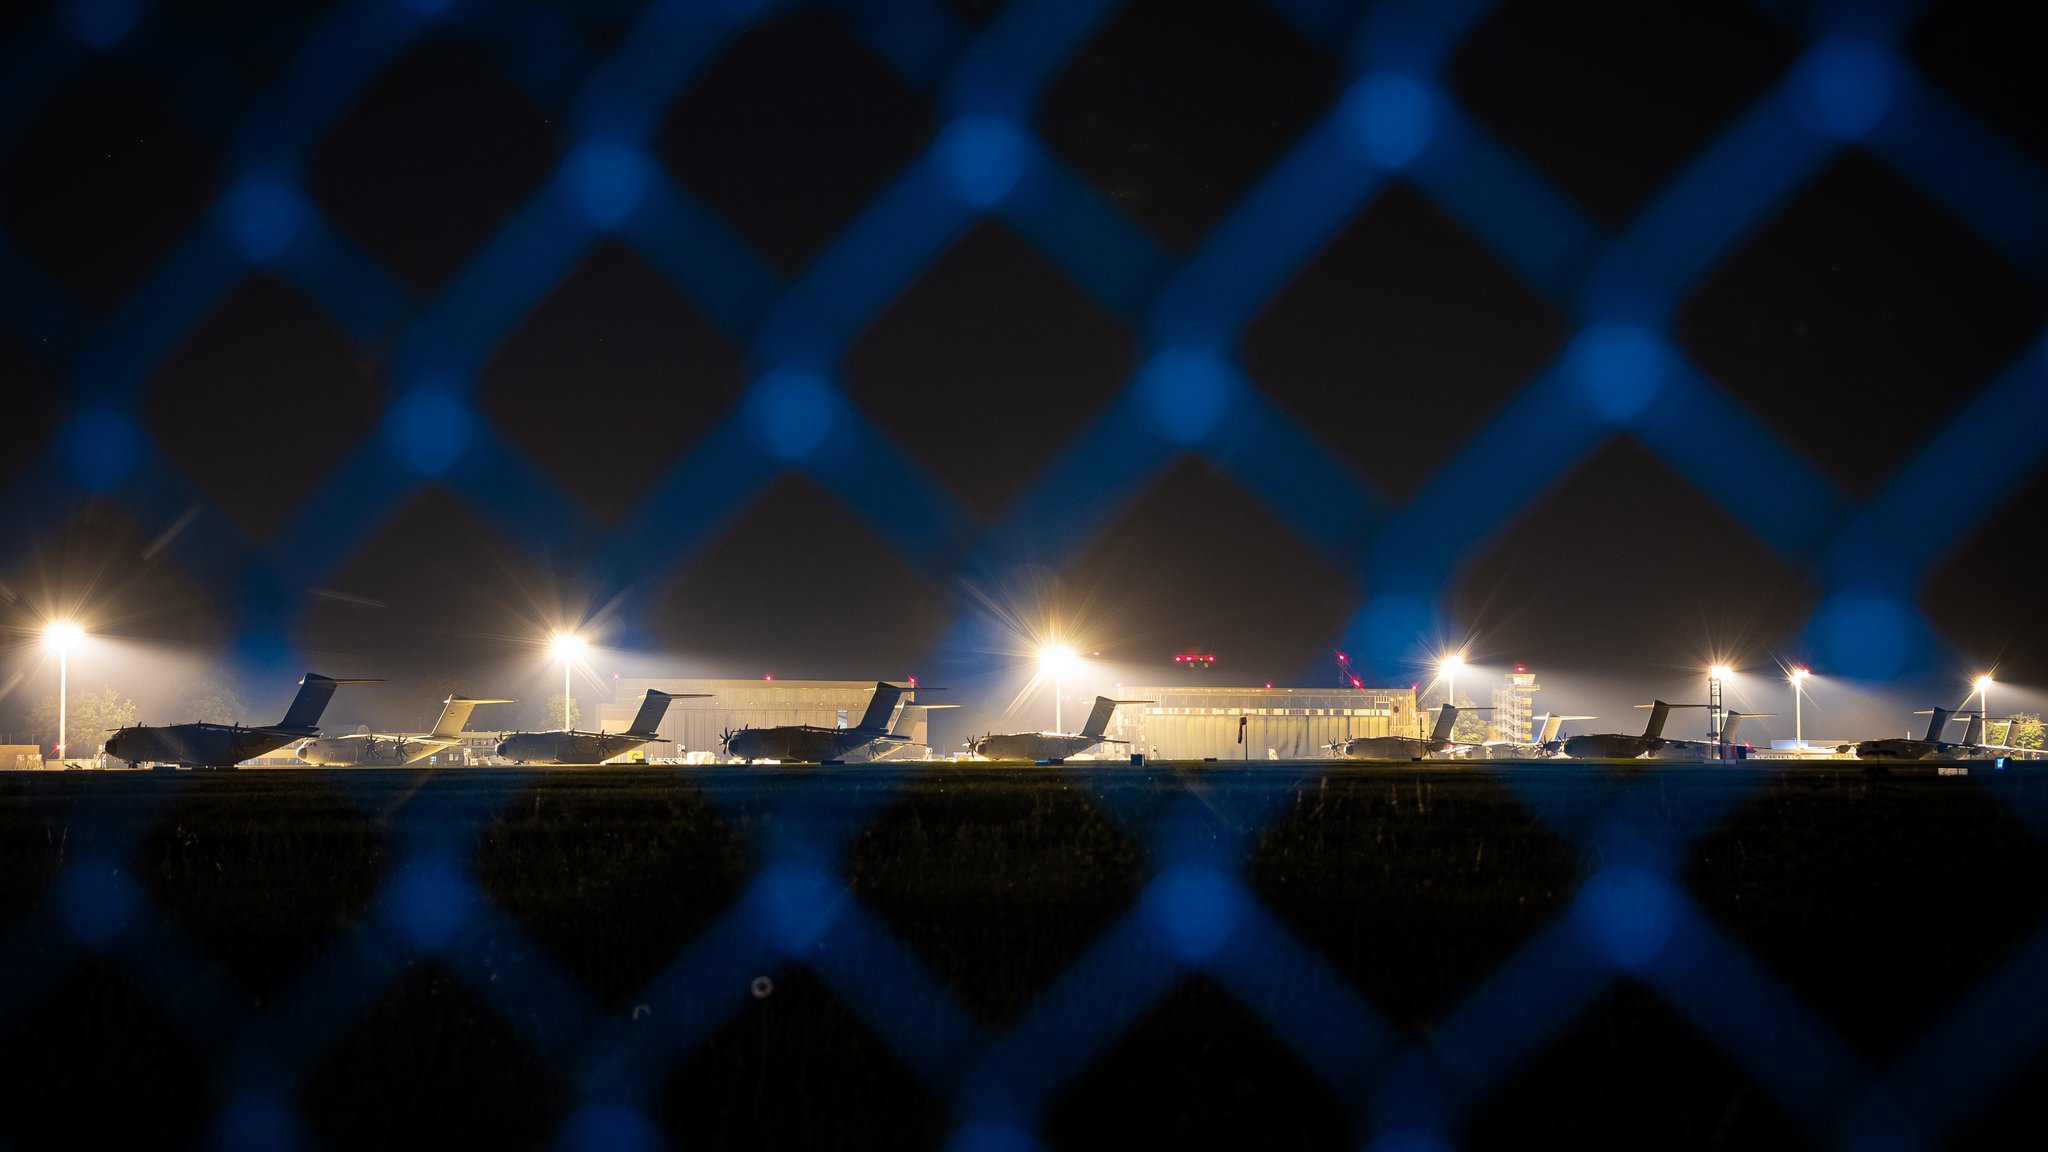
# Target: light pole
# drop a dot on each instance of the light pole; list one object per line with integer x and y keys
{"x": 1798, "y": 679}
{"x": 1056, "y": 659}
{"x": 1449, "y": 667}
{"x": 568, "y": 646}
{"x": 61, "y": 637}
{"x": 1983, "y": 686}
{"x": 1715, "y": 676}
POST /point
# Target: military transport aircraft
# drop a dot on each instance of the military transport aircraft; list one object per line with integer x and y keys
{"x": 372, "y": 750}
{"x": 1051, "y": 745}
{"x": 1406, "y": 747}
{"x": 1547, "y": 726}
{"x": 1907, "y": 748}
{"x": 202, "y": 745}
{"x": 811, "y": 744}
{"x": 1621, "y": 745}
{"x": 572, "y": 747}
{"x": 1724, "y": 749}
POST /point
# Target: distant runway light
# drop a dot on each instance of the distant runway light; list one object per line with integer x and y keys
{"x": 979, "y": 158}
{"x": 1618, "y": 368}
{"x": 791, "y": 412}
{"x": 609, "y": 179}
{"x": 1845, "y": 87}
{"x": 98, "y": 23}
{"x": 1185, "y": 391}
{"x": 262, "y": 215}
{"x": 429, "y": 429}
{"x": 1389, "y": 118}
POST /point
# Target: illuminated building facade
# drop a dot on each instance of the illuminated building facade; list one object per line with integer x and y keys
{"x": 1279, "y": 723}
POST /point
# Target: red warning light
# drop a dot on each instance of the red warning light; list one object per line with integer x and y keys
{"x": 1519, "y": 668}
{"x": 913, "y": 681}
{"x": 769, "y": 676}
{"x": 1357, "y": 683}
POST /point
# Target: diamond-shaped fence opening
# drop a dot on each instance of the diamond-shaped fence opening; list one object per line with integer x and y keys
{"x": 426, "y": 1041}
{"x": 1172, "y": 112}
{"x": 799, "y": 1068}
{"x": 293, "y": 284}
{"x": 394, "y": 594}
{"x": 1400, "y": 338}
{"x": 107, "y": 1028}
{"x": 791, "y": 132}
{"x": 1610, "y": 100}
{"x": 1199, "y": 1071}
{"x": 103, "y": 181}
{"x": 1743, "y": 598}
{"x": 1187, "y": 605}
{"x": 740, "y": 610}
{"x": 431, "y": 159}
{"x": 635, "y": 367}
{"x": 1028, "y": 359}
{"x": 1976, "y": 50}
{"x": 1860, "y": 288}
{"x": 652, "y": 869}
{"x": 263, "y": 351}
{"x": 1028, "y": 878}
{"x": 317, "y": 862}
{"x": 1633, "y": 1073}
{"x": 1979, "y": 599}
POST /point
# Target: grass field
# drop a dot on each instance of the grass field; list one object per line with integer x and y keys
{"x": 177, "y": 944}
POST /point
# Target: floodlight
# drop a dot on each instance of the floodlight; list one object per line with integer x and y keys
{"x": 62, "y": 636}
{"x": 1056, "y": 658}
{"x": 567, "y": 645}
{"x": 1983, "y": 682}
{"x": 1720, "y": 671}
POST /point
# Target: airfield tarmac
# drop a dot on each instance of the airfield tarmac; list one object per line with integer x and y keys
{"x": 368, "y": 946}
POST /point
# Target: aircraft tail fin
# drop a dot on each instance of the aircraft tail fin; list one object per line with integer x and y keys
{"x": 1447, "y": 721}
{"x": 1659, "y": 713}
{"x": 455, "y": 715}
{"x": 1973, "y": 735}
{"x": 911, "y": 723}
{"x": 1552, "y": 725}
{"x": 882, "y": 706}
{"x": 653, "y": 707}
{"x": 1734, "y": 723}
{"x": 1938, "y": 723}
{"x": 315, "y": 691}
{"x": 1098, "y": 717}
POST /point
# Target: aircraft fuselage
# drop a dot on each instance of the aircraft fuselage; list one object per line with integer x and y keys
{"x": 197, "y": 745}
{"x": 1387, "y": 748}
{"x": 369, "y": 751}
{"x": 1032, "y": 745}
{"x": 1611, "y": 746}
{"x": 568, "y": 747}
{"x": 801, "y": 743}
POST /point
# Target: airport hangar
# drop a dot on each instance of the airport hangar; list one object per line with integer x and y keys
{"x": 1201, "y": 723}
{"x": 1180, "y": 723}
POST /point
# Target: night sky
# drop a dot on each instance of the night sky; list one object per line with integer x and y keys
{"x": 841, "y": 344}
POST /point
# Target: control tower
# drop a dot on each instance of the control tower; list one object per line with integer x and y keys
{"x": 1514, "y": 707}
